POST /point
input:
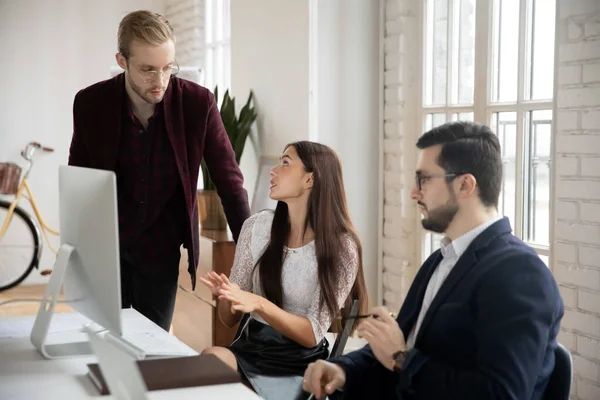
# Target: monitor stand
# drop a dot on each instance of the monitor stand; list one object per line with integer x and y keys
{"x": 119, "y": 368}
{"x": 46, "y": 311}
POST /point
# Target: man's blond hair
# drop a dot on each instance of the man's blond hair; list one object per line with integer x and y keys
{"x": 145, "y": 26}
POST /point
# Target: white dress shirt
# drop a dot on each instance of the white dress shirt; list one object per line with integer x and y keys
{"x": 451, "y": 252}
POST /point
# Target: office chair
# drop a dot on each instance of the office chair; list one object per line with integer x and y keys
{"x": 559, "y": 384}
{"x": 342, "y": 338}
{"x": 290, "y": 387}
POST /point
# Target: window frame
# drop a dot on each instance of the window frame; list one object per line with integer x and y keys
{"x": 483, "y": 108}
{"x": 221, "y": 76}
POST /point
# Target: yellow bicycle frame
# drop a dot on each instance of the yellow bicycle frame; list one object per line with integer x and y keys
{"x": 24, "y": 187}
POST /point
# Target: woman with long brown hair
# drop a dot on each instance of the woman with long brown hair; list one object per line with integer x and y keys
{"x": 294, "y": 269}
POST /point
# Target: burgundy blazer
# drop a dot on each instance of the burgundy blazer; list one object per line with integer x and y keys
{"x": 195, "y": 129}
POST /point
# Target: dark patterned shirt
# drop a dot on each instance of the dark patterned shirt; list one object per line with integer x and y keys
{"x": 152, "y": 216}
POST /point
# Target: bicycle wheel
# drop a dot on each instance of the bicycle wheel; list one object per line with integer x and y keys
{"x": 19, "y": 248}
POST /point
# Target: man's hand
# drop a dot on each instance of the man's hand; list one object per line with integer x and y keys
{"x": 243, "y": 301}
{"x": 384, "y": 336}
{"x": 323, "y": 377}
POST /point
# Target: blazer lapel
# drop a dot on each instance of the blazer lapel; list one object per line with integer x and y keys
{"x": 173, "y": 114}
{"x": 412, "y": 306}
{"x": 463, "y": 265}
{"x": 107, "y": 128}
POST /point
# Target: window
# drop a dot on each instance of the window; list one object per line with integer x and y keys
{"x": 505, "y": 79}
{"x": 217, "y": 50}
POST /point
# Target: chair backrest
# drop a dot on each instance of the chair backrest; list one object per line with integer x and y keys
{"x": 241, "y": 326}
{"x": 559, "y": 384}
{"x": 342, "y": 337}
{"x": 290, "y": 387}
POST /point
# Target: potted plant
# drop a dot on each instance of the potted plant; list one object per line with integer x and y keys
{"x": 238, "y": 129}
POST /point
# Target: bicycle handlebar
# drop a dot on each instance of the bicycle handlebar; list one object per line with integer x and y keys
{"x": 29, "y": 150}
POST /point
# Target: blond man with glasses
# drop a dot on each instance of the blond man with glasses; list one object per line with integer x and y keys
{"x": 153, "y": 130}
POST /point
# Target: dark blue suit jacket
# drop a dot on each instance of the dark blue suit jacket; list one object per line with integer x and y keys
{"x": 490, "y": 332}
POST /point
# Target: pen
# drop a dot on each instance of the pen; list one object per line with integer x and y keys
{"x": 392, "y": 314}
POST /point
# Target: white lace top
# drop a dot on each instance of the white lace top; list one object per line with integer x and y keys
{"x": 301, "y": 289}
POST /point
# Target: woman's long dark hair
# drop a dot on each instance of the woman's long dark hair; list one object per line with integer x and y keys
{"x": 328, "y": 217}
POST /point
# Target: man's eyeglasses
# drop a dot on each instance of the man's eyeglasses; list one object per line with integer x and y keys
{"x": 151, "y": 74}
{"x": 421, "y": 179}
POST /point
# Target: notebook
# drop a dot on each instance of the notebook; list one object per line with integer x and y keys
{"x": 177, "y": 372}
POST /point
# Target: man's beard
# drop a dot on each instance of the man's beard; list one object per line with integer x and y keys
{"x": 140, "y": 92}
{"x": 439, "y": 219}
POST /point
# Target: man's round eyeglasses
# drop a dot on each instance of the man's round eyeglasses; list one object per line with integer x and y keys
{"x": 150, "y": 75}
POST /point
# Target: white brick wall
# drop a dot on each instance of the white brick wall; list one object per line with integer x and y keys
{"x": 400, "y": 259}
{"x": 187, "y": 19}
{"x": 576, "y": 241}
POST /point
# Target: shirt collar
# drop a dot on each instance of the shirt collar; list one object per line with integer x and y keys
{"x": 459, "y": 245}
{"x": 128, "y": 109}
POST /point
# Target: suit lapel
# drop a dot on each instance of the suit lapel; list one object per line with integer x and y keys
{"x": 462, "y": 267}
{"x": 412, "y": 306}
{"x": 174, "y": 124}
{"x": 173, "y": 113}
{"x": 109, "y": 126}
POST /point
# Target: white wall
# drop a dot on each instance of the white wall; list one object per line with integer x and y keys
{"x": 314, "y": 66}
{"x": 269, "y": 54}
{"x": 576, "y": 216}
{"x": 345, "y": 54}
{"x": 50, "y": 50}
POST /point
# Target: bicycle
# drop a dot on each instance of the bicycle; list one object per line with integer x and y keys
{"x": 20, "y": 236}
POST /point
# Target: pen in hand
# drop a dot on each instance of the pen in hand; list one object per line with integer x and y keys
{"x": 392, "y": 314}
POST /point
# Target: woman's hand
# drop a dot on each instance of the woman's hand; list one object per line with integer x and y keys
{"x": 214, "y": 281}
{"x": 243, "y": 301}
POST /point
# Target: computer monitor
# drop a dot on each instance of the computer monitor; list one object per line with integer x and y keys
{"x": 88, "y": 259}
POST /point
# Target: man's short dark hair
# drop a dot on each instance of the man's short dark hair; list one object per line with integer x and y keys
{"x": 469, "y": 148}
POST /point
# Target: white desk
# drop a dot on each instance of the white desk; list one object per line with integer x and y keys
{"x": 26, "y": 374}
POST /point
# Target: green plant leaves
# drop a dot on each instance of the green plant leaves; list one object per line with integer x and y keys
{"x": 238, "y": 128}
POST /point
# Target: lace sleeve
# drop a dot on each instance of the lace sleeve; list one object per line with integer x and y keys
{"x": 321, "y": 321}
{"x": 243, "y": 262}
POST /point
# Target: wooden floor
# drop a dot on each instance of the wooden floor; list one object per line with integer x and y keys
{"x": 192, "y": 320}
{"x": 26, "y": 292}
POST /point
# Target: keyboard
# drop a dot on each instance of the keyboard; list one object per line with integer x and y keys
{"x": 146, "y": 344}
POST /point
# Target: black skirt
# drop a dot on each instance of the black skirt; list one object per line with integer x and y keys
{"x": 264, "y": 356}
